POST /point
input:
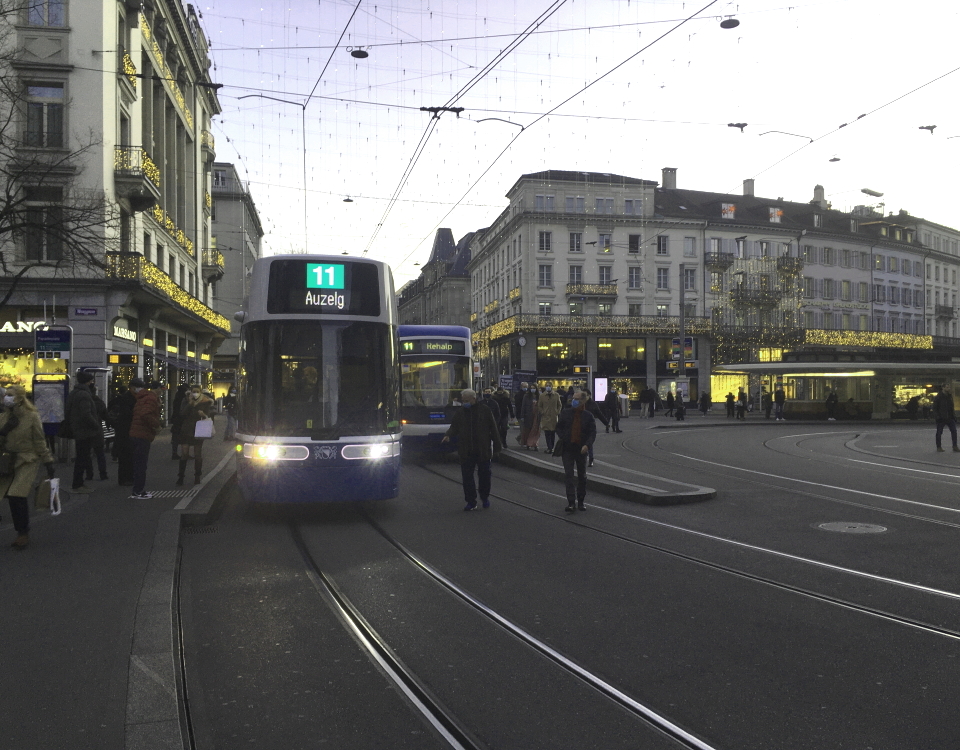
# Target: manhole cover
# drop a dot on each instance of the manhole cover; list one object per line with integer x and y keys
{"x": 852, "y": 527}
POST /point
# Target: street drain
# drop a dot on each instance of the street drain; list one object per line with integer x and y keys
{"x": 852, "y": 527}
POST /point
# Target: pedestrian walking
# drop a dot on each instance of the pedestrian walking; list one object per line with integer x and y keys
{"x": 492, "y": 405}
{"x": 648, "y": 400}
{"x": 478, "y": 440}
{"x": 548, "y": 407}
{"x": 80, "y": 414}
{"x": 195, "y": 406}
{"x": 230, "y": 408}
{"x": 742, "y": 404}
{"x": 681, "y": 407}
{"x": 766, "y": 403}
{"x": 530, "y": 420}
{"x": 831, "y": 404}
{"x": 731, "y": 403}
{"x": 670, "y": 402}
{"x": 21, "y": 434}
{"x": 98, "y": 445}
{"x": 611, "y": 403}
{"x": 120, "y": 414}
{"x": 145, "y": 424}
{"x": 946, "y": 416}
{"x": 175, "y": 420}
{"x": 518, "y": 403}
{"x": 705, "y": 403}
{"x": 577, "y": 430}
{"x": 779, "y": 399}
{"x": 506, "y": 412}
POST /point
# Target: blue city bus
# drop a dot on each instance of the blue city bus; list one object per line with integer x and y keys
{"x": 318, "y": 407}
{"x": 435, "y": 365}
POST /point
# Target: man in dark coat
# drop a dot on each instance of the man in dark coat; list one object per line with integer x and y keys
{"x": 831, "y": 404}
{"x": 779, "y": 399}
{"x": 506, "y": 412}
{"x": 476, "y": 431}
{"x": 80, "y": 413}
{"x": 946, "y": 416}
{"x": 121, "y": 415}
{"x": 577, "y": 429}
{"x": 611, "y": 402}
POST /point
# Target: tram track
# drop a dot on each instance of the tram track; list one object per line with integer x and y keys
{"x": 753, "y": 577}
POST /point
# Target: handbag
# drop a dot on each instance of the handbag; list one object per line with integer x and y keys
{"x": 7, "y": 463}
{"x": 204, "y": 429}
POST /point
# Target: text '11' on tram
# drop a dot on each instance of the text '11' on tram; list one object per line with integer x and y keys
{"x": 319, "y": 390}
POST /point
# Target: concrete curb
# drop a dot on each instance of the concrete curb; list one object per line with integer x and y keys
{"x": 153, "y": 720}
{"x": 607, "y": 485}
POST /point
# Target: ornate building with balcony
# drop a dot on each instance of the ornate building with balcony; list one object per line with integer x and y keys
{"x": 234, "y": 246}
{"x": 440, "y": 295}
{"x": 129, "y": 133}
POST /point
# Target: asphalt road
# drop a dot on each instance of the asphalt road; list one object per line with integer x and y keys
{"x": 746, "y": 621}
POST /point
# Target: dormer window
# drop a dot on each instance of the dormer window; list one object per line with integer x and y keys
{"x": 818, "y": 220}
{"x": 775, "y": 214}
{"x": 728, "y": 210}
{"x": 854, "y": 225}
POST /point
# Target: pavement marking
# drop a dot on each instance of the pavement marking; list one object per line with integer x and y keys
{"x": 138, "y": 663}
{"x": 192, "y": 494}
{"x": 901, "y": 468}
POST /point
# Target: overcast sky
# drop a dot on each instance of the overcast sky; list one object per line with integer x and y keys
{"x": 800, "y": 67}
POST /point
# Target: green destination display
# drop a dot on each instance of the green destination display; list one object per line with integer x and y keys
{"x": 304, "y": 287}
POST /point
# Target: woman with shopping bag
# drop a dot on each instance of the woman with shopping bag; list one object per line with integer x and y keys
{"x": 195, "y": 420}
{"x": 22, "y": 436}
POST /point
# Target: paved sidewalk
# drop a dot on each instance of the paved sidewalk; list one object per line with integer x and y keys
{"x": 71, "y": 624}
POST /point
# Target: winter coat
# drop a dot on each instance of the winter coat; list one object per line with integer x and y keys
{"x": 494, "y": 407}
{"x": 80, "y": 412}
{"x": 549, "y": 407}
{"x": 518, "y": 404}
{"x": 588, "y": 427}
{"x": 475, "y": 431}
{"x": 506, "y": 406}
{"x": 528, "y": 410}
{"x": 611, "y": 402}
{"x": 594, "y": 408}
{"x": 192, "y": 412}
{"x": 29, "y": 444}
{"x": 145, "y": 423}
{"x": 121, "y": 414}
{"x": 943, "y": 408}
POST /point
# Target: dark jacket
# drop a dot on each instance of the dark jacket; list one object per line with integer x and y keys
{"x": 506, "y": 405}
{"x": 611, "y": 402}
{"x": 491, "y": 403}
{"x": 81, "y": 413}
{"x": 192, "y": 412}
{"x": 518, "y": 403}
{"x": 475, "y": 430}
{"x": 779, "y": 396}
{"x": 145, "y": 423}
{"x": 943, "y": 408}
{"x": 588, "y": 427}
{"x": 594, "y": 408}
{"x": 121, "y": 414}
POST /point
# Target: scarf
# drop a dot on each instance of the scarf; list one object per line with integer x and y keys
{"x": 575, "y": 427}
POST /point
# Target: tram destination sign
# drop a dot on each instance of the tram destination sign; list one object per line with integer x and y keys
{"x": 302, "y": 287}
{"x": 433, "y": 346}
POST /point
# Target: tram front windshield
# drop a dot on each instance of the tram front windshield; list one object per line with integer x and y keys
{"x": 434, "y": 383}
{"x": 318, "y": 379}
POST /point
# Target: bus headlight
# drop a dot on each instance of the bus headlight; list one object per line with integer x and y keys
{"x": 270, "y": 452}
{"x": 371, "y": 451}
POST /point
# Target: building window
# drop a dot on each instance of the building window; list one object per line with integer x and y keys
{"x": 147, "y": 244}
{"x": 605, "y": 243}
{"x": 44, "y": 115}
{"x": 878, "y": 262}
{"x": 764, "y": 248}
{"x": 606, "y": 274}
{"x": 46, "y": 13}
{"x": 545, "y": 308}
{"x": 845, "y": 289}
{"x": 605, "y": 308}
{"x": 604, "y": 205}
{"x": 633, "y": 243}
{"x": 576, "y": 242}
{"x": 817, "y": 220}
{"x": 663, "y": 278}
{"x": 543, "y": 202}
{"x": 716, "y": 245}
{"x": 635, "y": 309}
{"x": 808, "y": 287}
{"x": 827, "y": 256}
{"x": 635, "y": 279}
{"x": 544, "y": 241}
{"x": 576, "y": 308}
{"x": 854, "y": 225}
{"x": 574, "y": 204}
{"x": 728, "y": 211}
{"x": 809, "y": 254}
{"x": 545, "y": 276}
{"x": 689, "y": 247}
{"x": 663, "y": 311}
{"x": 828, "y": 289}
{"x": 663, "y": 245}
{"x": 576, "y": 274}
{"x": 845, "y": 258}
{"x": 43, "y": 234}
{"x": 775, "y": 214}
{"x": 690, "y": 279}
{"x": 219, "y": 178}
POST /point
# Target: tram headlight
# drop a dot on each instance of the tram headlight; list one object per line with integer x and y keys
{"x": 272, "y": 452}
{"x": 371, "y": 451}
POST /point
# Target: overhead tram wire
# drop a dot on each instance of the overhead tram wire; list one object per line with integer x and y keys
{"x": 544, "y": 115}
{"x": 428, "y": 131}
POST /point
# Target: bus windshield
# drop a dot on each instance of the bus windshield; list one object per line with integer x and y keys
{"x": 434, "y": 384}
{"x": 324, "y": 380}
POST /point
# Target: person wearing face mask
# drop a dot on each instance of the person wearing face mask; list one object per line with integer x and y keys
{"x": 476, "y": 431}
{"x": 548, "y": 407}
{"x": 80, "y": 412}
{"x": 21, "y": 433}
{"x": 492, "y": 405}
{"x": 577, "y": 429}
{"x": 196, "y": 406}
{"x": 230, "y": 407}
{"x": 144, "y": 426}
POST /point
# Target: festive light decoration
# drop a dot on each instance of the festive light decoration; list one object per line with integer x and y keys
{"x": 489, "y": 308}
{"x": 207, "y": 140}
{"x": 135, "y": 161}
{"x": 137, "y": 268}
{"x": 592, "y": 290}
{"x": 170, "y": 81}
{"x": 207, "y": 200}
{"x": 873, "y": 339}
{"x": 515, "y": 293}
{"x": 176, "y": 234}
{"x": 129, "y": 69}
{"x": 213, "y": 257}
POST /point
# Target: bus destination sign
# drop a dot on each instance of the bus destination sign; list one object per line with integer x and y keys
{"x": 433, "y": 346}
{"x": 305, "y": 288}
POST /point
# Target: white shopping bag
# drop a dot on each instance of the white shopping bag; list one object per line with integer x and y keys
{"x": 55, "y": 497}
{"x": 204, "y": 429}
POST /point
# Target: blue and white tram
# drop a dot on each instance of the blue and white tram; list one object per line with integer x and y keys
{"x": 435, "y": 365}
{"x": 318, "y": 413}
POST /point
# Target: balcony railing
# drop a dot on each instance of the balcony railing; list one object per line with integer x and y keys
{"x": 592, "y": 290}
{"x": 212, "y": 264}
{"x": 515, "y": 293}
{"x": 134, "y": 267}
{"x": 134, "y": 161}
{"x": 944, "y": 311}
{"x": 754, "y": 296}
{"x": 720, "y": 261}
{"x": 790, "y": 266}
{"x": 127, "y": 68}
